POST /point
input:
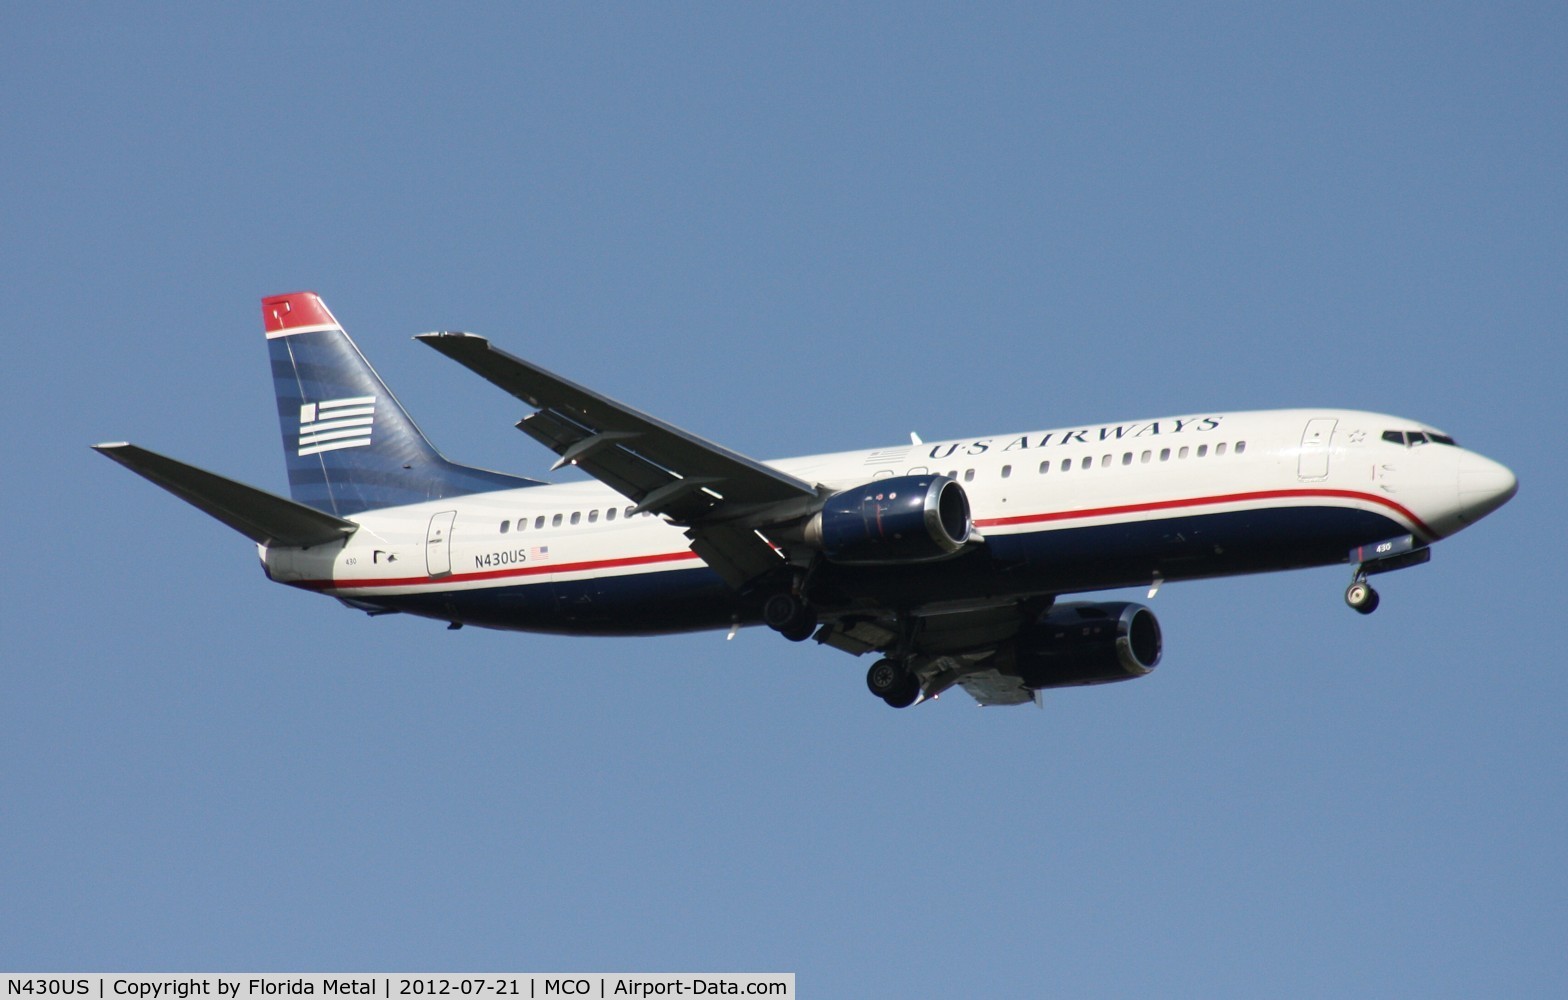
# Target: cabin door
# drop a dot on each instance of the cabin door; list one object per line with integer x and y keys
{"x": 1313, "y": 464}
{"x": 438, "y": 544}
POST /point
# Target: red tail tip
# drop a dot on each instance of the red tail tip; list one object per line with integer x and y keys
{"x": 295, "y": 309}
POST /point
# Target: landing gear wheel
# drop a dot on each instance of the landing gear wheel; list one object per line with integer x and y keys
{"x": 884, "y": 677}
{"x": 906, "y": 695}
{"x": 789, "y": 616}
{"x": 801, "y": 630}
{"x": 893, "y": 682}
{"x": 1360, "y": 596}
{"x": 781, "y": 609}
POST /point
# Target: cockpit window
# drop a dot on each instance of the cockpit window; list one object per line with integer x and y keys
{"x": 1412, "y": 438}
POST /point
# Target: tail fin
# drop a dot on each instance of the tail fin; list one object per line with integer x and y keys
{"x": 349, "y": 444}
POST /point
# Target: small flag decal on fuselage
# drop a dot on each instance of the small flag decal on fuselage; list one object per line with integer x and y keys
{"x": 336, "y": 423}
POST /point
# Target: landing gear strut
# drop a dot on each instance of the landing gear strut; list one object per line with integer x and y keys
{"x": 1381, "y": 557}
{"x": 893, "y": 682}
{"x": 789, "y": 616}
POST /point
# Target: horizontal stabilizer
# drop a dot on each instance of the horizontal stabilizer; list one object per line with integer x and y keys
{"x": 258, "y": 515}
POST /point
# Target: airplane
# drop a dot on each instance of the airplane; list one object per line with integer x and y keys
{"x": 947, "y": 560}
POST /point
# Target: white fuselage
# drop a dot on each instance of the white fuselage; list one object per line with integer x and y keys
{"x": 1022, "y": 488}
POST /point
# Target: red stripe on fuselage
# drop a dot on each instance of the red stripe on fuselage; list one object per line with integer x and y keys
{"x": 1139, "y": 508}
{"x": 498, "y": 574}
{"x": 990, "y": 522}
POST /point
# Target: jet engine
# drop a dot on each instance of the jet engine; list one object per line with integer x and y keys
{"x": 1083, "y": 643}
{"x": 896, "y": 520}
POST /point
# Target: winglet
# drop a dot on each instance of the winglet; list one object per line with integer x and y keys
{"x": 296, "y": 312}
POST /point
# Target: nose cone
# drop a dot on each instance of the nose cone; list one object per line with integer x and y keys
{"x": 1484, "y": 486}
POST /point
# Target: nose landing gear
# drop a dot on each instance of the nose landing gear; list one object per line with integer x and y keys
{"x": 1381, "y": 557}
{"x": 1361, "y": 597}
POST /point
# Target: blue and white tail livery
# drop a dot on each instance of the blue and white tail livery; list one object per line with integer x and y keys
{"x": 947, "y": 561}
{"x": 348, "y": 444}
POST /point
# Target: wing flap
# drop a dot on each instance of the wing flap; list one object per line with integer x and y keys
{"x": 991, "y": 687}
{"x": 737, "y": 554}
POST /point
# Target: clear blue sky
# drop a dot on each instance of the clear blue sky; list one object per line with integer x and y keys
{"x": 792, "y": 230}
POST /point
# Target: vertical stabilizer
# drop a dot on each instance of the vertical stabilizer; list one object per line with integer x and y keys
{"x": 350, "y": 446}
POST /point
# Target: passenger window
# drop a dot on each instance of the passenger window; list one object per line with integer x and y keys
{"x": 1241, "y": 446}
{"x": 1144, "y": 458}
{"x": 1086, "y": 463}
{"x": 1067, "y": 465}
{"x": 506, "y": 526}
{"x": 1165, "y": 454}
{"x": 1219, "y": 449}
{"x": 1105, "y": 461}
{"x": 577, "y": 515}
{"x": 609, "y": 515}
{"x": 539, "y": 522}
{"x": 1203, "y": 450}
{"x": 1127, "y": 458}
{"x": 630, "y": 511}
{"x": 1182, "y": 453}
{"x": 969, "y": 475}
{"x": 593, "y": 517}
{"x": 555, "y": 522}
{"x": 1045, "y": 467}
{"x": 1007, "y": 470}
{"x": 522, "y": 523}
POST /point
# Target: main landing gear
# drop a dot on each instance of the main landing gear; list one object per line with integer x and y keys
{"x": 889, "y": 678}
{"x": 789, "y": 616}
{"x": 893, "y": 682}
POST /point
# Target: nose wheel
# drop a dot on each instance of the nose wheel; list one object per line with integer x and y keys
{"x": 1361, "y": 597}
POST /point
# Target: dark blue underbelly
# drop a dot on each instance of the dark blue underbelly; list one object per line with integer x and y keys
{"x": 1059, "y": 561}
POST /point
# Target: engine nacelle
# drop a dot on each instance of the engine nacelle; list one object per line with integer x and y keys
{"x": 1083, "y": 643}
{"x": 897, "y": 520}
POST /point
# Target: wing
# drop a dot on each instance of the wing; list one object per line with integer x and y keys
{"x": 720, "y": 496}
{"x": 723, "y": 498}
{"x": 947, "y": 647}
